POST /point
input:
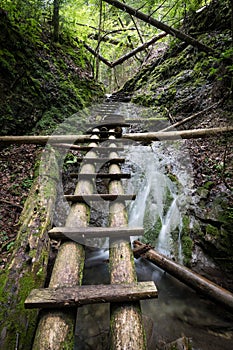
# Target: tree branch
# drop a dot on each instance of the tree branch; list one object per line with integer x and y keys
{"x": 169, "y": 30}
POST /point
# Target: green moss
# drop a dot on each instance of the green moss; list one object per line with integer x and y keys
{"x": 187, "y": 246}
{"x": 212, "y": 230}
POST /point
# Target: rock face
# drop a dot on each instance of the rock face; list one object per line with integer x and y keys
{"x": 178, "y": 82}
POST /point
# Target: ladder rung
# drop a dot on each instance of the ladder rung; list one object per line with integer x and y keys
{"x": 108, "y": 124}
{"x": 99, "y": 197}
{"x": 100, "y": 160}
{"x": 116, "y": 176}
{"x": 75, "y": 233}
{"x": 90, "y": 294}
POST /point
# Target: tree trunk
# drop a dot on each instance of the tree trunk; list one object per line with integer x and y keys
{"x": 192, "y": 279}
{"x": 56, "y": 328}
{"x": 126, "y": 321}
{"x": 28, "y": 265}
{"x": 55, "y": 20}
{"x": 169, "y": 30}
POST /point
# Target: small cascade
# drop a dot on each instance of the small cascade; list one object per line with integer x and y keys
{"x": 160, "y": 202}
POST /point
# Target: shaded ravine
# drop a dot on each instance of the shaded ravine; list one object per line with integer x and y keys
{"x": 165, "y": 181}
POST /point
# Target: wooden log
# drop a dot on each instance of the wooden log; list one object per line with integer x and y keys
{"x": 88, "y": 232}
{"x": 92, "y": 294}
{"x": 169, "y": 30}
{"x": 28, "y": 265}
{"x": 140, "y": 48}
{"x": 190, "y": 278}
{"x": 176, "y": 135}
{"x": 85, "y": 198}
{"x": 150, "y": 136}
{"x": 56, "y": 328}
{"x": 191, "y": 117}
{"x": 126, "y": 320}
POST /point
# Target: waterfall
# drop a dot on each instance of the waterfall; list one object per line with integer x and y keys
{"x": 160, "y": 202}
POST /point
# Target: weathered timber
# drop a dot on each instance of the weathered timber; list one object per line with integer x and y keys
{"x": 126, "y": 320}
{"x": 100, "y": 160}
{"x": 169, "y": 30}
{"x": 176, "y": 135}
{"x": 85, "y": 198}
{"x": 150, "y": 136}
{"x": 56, "y": 328}
{"x": 108, "y": 124}
{"x": 91, "y": 294}
{"x": 102, "y": 175}
{"x": 89, "y": 232}
{"x": 140, "y": 48}
{"x": 191, "y": 117}
{"x": 28, "y": 265}
{"x": 192, "y": 279}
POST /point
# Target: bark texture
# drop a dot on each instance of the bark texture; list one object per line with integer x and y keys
{"x": 126, "y": 320}
{"x": 55, "y": 330}
{"x": 28, "y": 265}
{"x": 192, "y": 279}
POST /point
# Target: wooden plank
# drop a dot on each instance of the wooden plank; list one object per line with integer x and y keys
{"x": 108, "y": 124}
{"x": 92, "y": 232}
{"x": 101, "y": 175}
{"x": 64, "y": 297}
{"x": 99, "y": 197}
{"x": 100, "y": 160}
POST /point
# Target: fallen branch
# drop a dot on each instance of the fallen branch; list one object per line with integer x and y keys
{"x": 190, "y": 278}
{"x": 169, "y": 30}
{"x": 191, "y": 117}
{"x": 96, "y": 54}
{"x": 138, "y": 49}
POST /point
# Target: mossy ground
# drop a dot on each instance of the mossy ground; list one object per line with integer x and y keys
{"x": 41, "y": 82}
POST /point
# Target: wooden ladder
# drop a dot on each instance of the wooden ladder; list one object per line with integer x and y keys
{"x": 65, "y": 292}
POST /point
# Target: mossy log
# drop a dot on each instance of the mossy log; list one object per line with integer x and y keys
{"x": 190, "y": 278}
{"x": 28, "y": 266}
{"x": 56, "y": 328}
{"x": 126, "y": 320}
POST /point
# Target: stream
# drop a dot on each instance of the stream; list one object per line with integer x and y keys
{"x": 162, "y": 180}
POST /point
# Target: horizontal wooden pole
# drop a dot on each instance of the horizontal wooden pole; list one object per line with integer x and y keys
{"x": 176, "y": 135}
{"x": 150, "y": 136}
{"x": 91, "y": 232}
{"x": 108, "y": 124}
{"x": 112, "y": 176}
{"x": 190, "y": 278}
{"x": 99, "y": 197}
{"x": 92, "y": 294}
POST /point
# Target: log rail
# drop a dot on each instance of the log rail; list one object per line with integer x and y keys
{"x": 59, "y": 302}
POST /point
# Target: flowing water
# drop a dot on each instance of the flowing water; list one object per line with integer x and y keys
{"x": 162, "y": 180}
